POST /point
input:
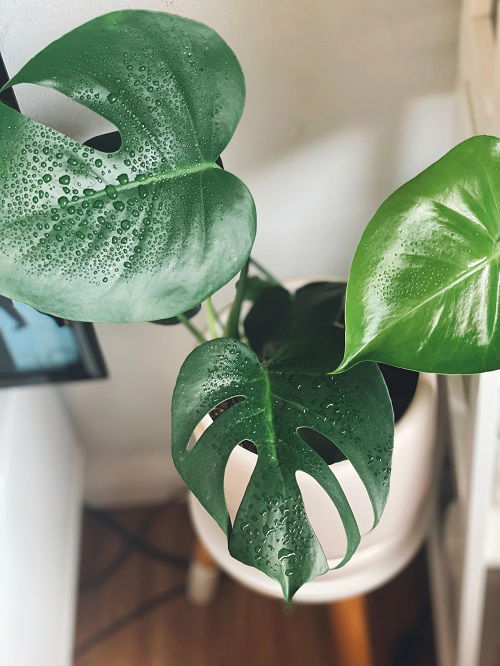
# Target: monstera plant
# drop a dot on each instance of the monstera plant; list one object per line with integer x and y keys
{"x": 150, "y": 231}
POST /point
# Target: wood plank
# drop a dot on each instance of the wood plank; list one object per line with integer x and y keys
{"x": 350, "y": 626}
{"x": 240, "y": 628}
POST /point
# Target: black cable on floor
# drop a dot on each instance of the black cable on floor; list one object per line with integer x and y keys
{"x": 121, "y": 558}
{"x": 136, "y": 542}
{"x": 127, "y": 619}
{"x": 109, "y": 571}
{"x": 411, "y": 646}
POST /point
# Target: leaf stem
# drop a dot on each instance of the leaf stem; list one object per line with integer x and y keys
{"x": 192, "y": 328}
{"x": 264, "y": 271}
{"x": 213, "y": 321}
{"x": 232, "y": 327}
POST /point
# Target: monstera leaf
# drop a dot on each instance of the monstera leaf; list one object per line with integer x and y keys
{"x": 271, "y": 531}
{"x": 424, "y": 287}
{"x": 148, "y": 231}
{"x": 277, "y": 315}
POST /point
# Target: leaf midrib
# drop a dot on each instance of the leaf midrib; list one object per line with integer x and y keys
{"x": 268, "y": 410}
{"x": 464, "y": 276}
{"x": 156, "y": 178}
{"x": 297, "y": 406}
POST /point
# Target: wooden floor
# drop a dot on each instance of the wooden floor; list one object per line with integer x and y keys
{"x": 132, "y": 611}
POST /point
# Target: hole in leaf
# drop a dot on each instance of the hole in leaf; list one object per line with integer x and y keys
{"x": 203, "y": 425}
{"x": 211, "y": 416}
{"x": 348, "y": 478}
{"x": 323, "y": 516}
{"x": 56, "y": 110}
{"x": 323, "y": 446}
{"x": 224, "y": 406}
{"x": 236, "y": 479}
{"x": 106, "y": 143}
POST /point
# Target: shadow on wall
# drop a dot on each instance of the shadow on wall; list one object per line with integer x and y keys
{"x": 311, "y": 68}
{"x": 347, "y": 98}
{"x": 314, "y": 68}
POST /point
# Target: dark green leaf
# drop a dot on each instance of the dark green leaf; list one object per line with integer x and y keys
{"x": 318, "y": 303}
{"x": 271, "y": 530}
{"x": 254, "y": 286}
{"x": 153, "y": 229}
{"x": 277, "y": 315}
{"x": 269, "y": 323}
{"x": 424, "y": 287}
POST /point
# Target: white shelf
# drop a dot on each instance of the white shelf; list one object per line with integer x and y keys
{"x": 460, "y": 427}
{"x": 492, "y": 546}
{"x": 472, "y": 524}
{"x": 441, "y": 592}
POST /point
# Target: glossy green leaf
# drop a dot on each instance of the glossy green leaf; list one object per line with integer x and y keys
{"x": 148, "y": 231}
{"x": 424, "y": 287}
{"x": 271, "y": 530}
{"x": 277, "y": 315}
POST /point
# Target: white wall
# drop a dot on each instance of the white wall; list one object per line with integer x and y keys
{"x": 40, "y": 505}
{"x": 345, "y": 100}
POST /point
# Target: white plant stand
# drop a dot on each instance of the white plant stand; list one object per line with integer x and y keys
{"x": 384, "y": 551}
{"x": 466, "y": 544}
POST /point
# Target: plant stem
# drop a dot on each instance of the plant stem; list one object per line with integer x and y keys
{"x": 192, "y": 328}
{"x": 232, "y": 327}
{"x": 265, "y": 272}
{"x": 213, "y": 321}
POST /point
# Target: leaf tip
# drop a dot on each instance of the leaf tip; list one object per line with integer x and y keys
{"x": 287, "y": 589}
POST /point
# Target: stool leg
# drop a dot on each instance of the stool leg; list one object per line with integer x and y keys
{"x": 350, "y": 629}
{"x": 202, "y": 576}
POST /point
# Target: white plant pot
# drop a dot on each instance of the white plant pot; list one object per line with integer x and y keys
{"x": 384, "y": 550}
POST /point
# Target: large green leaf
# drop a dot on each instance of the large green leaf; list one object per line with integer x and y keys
{"x": 424, "y": 287}
{"x": 271, "y": 530}
{"x": 278, "y": 315}
{"x": 148, "y": 231}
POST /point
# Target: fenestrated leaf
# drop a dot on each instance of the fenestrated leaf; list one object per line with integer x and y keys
{"x": 424, "y": 287}
{"x": 271, "y": 530}
{"x": 148, "y": 231}
{"x": 277, "y": 315}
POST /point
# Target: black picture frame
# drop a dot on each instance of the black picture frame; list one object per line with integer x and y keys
{"x": 87, "y": 361}
{"x": 8, "y": 96}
